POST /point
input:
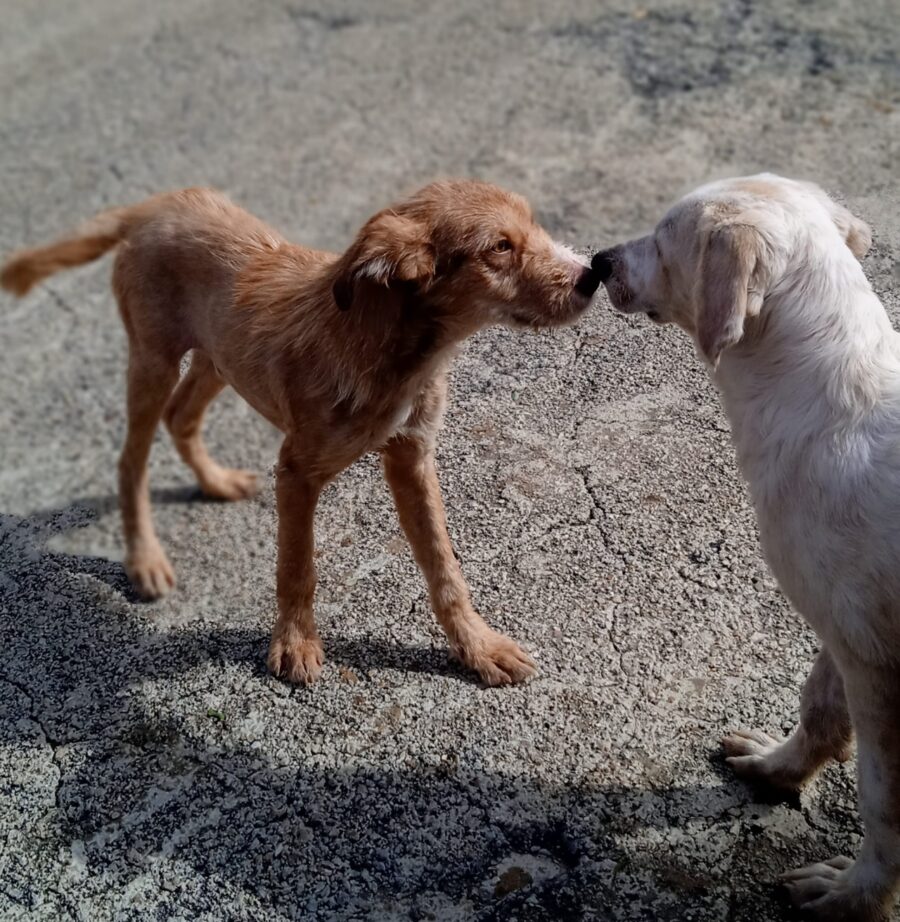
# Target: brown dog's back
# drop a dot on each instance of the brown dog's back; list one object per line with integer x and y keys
{"x": 198, "y": 215}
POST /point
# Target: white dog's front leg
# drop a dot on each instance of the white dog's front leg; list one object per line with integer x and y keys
{"x": 824, "y": 733}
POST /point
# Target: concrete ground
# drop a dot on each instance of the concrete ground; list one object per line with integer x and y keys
{"x": 150, "y": 768}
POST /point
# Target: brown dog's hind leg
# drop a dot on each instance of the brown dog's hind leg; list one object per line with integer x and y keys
{"x": 184, "y": 417}
{"x": 824, "y": 733}
{"x": 295, "y": 652}
{"x": 410, "y": 472}
{"x": 150, "y": 382}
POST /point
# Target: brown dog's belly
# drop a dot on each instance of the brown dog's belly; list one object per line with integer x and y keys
{"x": 260, "y": 398}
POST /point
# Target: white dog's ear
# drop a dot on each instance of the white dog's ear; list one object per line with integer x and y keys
{"x": 729, "y": 259}
{"x": 855, "y": 231}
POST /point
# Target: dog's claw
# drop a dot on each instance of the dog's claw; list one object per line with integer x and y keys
{"x": 296, "y": 659}
{"x": 823, "y": 891}
{"x": 231, "y": 485}
{"x": 757, "y": 756}
{"x": 150, "y": 573}
{"x": 498, "y": 660}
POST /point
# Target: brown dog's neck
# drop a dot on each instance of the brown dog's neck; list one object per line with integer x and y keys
{"x": 396, "y": 341}
{"x": 384, "y": 348}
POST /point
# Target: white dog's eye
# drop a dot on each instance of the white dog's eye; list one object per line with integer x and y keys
{"x": 502, "y": 246}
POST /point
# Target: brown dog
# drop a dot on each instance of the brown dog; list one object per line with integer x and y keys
{"x": 344, "y": 354}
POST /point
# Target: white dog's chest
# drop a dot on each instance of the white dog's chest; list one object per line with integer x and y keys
{"x": 802, "y": 569}
{"x": 826, "y": 534}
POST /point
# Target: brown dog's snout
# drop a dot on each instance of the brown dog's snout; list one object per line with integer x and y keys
{"x": 602, "y": 265}
{"x": 588, "y": 282}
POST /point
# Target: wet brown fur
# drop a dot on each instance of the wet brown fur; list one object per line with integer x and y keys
{"x": 344, "y": 354}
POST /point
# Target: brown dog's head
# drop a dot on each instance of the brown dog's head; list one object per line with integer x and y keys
{"x": 471, "y": 250}
{"x": 714, "y": 258}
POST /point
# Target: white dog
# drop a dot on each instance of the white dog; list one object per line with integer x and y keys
{"x": 763, "y": 273}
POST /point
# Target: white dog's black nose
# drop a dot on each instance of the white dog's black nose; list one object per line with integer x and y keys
{"x": 588, "y": 282}
{"x": 602, "y": 265}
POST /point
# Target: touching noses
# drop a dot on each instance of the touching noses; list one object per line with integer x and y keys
{"x": 602, "y": 265}
{"x": 588, "y": 282}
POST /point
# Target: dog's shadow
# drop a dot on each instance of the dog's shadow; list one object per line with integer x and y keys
{"x": 28, "y": 537}
{"x": 174, "y": 796}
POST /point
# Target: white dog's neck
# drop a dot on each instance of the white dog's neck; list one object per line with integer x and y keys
{"x": 816, "y": 366}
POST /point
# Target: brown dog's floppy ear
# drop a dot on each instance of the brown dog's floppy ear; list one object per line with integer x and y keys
{"x": 723, "y": 298}
{"x": 390, "y": 247}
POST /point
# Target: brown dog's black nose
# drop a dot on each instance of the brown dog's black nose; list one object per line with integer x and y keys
{"x": 602, "y": 265}
{"x": 588, "y": 282}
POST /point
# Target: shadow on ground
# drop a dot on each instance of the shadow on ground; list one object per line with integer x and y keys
{"x": 142, "y": 786}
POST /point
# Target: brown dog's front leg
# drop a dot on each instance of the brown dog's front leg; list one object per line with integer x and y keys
{"x": 295, "y": 652}
{"x": 410, "y": 472}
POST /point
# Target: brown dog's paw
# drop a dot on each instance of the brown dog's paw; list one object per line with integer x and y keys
{"x": 230, "y": 485}
{"x": 498, "y": 660}
{"x": 295, "y": 658}
{"x": 150, "y": 573}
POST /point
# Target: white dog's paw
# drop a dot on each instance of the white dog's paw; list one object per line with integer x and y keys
{"x": 754, "y": 743}
{"x": 756, "y": 756}
{"x": 826, "y": 892}
{"x": 762, "y": 758}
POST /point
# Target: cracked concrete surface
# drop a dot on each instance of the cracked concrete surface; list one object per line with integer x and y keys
{"x": 150, "y": 767}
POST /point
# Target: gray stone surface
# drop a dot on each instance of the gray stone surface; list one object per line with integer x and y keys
{"x": 150, "y": 768}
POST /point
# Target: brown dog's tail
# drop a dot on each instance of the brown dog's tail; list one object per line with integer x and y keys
{"x": 28, "y": 267}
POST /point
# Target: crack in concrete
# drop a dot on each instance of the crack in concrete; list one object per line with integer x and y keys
{"x": 61, "y": 302}
{"x": 47, "y": 739}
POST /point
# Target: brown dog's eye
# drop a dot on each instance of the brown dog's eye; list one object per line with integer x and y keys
{"x": 502, "y": 246}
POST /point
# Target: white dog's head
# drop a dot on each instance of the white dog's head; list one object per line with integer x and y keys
{"x": 715, "y": 257}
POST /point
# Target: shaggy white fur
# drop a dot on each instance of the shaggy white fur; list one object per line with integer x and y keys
{"x": 763, "y": 272}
